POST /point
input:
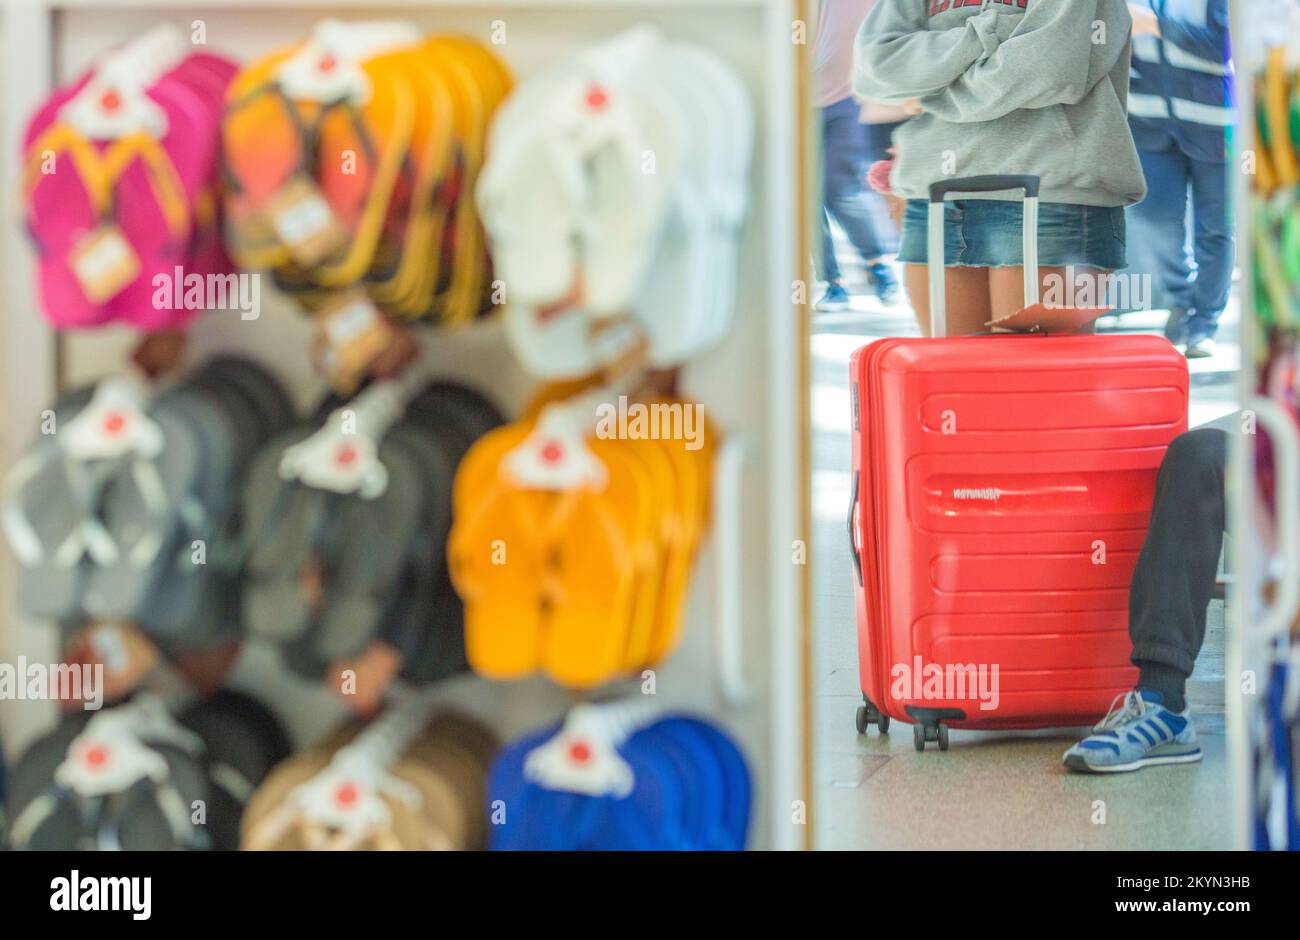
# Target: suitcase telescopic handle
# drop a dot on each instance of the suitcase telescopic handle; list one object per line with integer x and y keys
{"x": 996, "y": 183}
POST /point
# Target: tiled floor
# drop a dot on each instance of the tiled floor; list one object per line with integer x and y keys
{"x": 990, "y": 790}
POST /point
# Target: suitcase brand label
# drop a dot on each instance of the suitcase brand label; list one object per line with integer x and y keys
{"x": 989, "y": 493}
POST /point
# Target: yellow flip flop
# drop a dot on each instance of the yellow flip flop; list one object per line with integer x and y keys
{"x": 463, "y": 275}
{"x": 403, "y": 254}
{"x": 503, "y": 596}
{"x": 696, "y": 467}
{"x": 261, "y": 152}
{"x": 605, "y": 548}
{"x": 1277, "y": 109}
{"x": 467, "y": 290}
{"x": 388, "y": 119}
{"x": 448, "y": 240}
{"x": 665, "y": 522}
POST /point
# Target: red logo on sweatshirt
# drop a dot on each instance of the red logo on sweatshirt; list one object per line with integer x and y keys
{"x": 942, "y": 6}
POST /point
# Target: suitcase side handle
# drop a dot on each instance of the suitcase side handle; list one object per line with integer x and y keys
{"x": 934, "y": 236}
{"x": 853, "y": 538}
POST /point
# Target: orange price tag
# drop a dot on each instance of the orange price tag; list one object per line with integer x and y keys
{"x": 351, "y": 335}
{"x": 104, "y": 263}
{"x": 304, "y": 222}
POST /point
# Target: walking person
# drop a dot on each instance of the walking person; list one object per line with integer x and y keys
{"x": 846, "y": 155}
{"x": 1034, "y": 88}
{"x": 1180, "y": 108}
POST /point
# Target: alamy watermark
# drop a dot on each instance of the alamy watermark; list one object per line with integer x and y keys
{"x": 651, "y": 421}
{"x": 22, "y": 681}
{"x": 1113, "y": 290}
{"x": 193, "y": 291}
{"x": 77, "y": 892}
{"x": 950, "y": 682}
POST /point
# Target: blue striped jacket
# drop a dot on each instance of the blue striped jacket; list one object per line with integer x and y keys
{"x": 1181, "y": 87}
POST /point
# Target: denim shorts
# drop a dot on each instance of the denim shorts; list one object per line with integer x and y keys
{"x": 986, "y": 233}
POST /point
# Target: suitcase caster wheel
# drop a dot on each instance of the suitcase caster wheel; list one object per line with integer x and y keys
{"x": 943, "y": 737}
{"x": 869, "y": 714}
{"x": 918, "y": 737}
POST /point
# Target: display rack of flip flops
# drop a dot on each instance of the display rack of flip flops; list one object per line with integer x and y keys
{"x": 1264, "y": 640}
{"x": 401, "y": 408}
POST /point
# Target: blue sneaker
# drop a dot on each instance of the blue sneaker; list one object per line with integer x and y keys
{"x": 1136, "y": 732}
{"x": 1198, "y": 338}
{"x": 883, "y": 282}
{"x": 835, "y": 298}
{"x": 1199, "y": 347}
{"x": 1176, "y": 326}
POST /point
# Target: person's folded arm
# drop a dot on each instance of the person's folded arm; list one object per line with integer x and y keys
{"x": 1058, "y": 52}
{"x": 898, "y": 57}
{"x": 1207, "y": 40}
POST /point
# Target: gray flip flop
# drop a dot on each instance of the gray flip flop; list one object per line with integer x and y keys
{"x": 243, "y": 742}
{"x": 67, "y": 803}
{"x": 411, "y": 624}
{"x": 184, "y": 605}
{"x": 363, "y": 573}
{"x": 143, "y": 508}
{"x": 272, "y": 404}
{"x": 278, "y": 516}
{"x": 458, "y": 416}
{"x": 177, "y": 600}
{"x": 44, "y": 503}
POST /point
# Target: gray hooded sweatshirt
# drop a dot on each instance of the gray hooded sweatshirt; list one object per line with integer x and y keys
{"x": 1007, "y": 86}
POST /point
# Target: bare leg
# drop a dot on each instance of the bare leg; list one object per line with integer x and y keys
{"x": 968, "y": 297}
{"x": 1007, "y": 287}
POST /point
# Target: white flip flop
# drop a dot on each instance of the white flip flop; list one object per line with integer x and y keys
{"x": 688, "y": 302}
{"x": 599, "y": 143}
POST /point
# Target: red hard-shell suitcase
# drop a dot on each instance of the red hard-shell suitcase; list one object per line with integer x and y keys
{"x": 1000, "y": 494}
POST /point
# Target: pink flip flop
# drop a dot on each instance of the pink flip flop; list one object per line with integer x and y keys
{"x": 155, "y": 205}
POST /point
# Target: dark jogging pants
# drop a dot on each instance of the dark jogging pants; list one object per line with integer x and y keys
{"x": 1174, "y": 579}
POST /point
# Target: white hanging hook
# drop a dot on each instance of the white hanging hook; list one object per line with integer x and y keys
{"x": 113, "y": 751}
{"x": 348, "y": 795}
{"x": 328, "y": 67}
{"x": 114, "y": 103}
{"x": 555, "y": 455}
{"x": 343, "y": 456}
{"x": 583, "y": 757}
{"x": 114, "y": 424}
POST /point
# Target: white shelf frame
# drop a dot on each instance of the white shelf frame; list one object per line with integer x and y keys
{"x": 1252, "y": 28}
{"x": 32, "y": 355}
